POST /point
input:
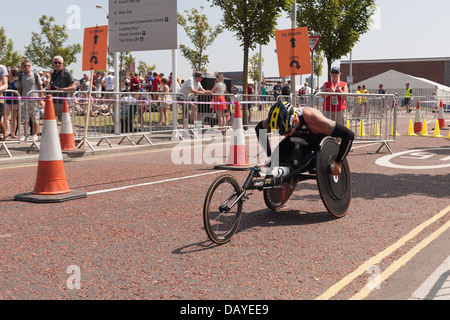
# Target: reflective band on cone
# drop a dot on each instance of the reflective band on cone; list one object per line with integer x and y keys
{"x": 66, "y": 134}
{"x": 418, "y": 120}
{"x": 441, "y": 116}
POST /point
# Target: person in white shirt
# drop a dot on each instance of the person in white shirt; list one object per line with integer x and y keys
{"x": 109, "y": 81}
{"x": 193, "y": 85}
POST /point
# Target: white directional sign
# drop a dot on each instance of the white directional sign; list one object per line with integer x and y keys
{"x": 137, "y": 25}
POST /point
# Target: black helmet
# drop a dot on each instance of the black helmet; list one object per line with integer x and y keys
{"x": 281, "y": 115}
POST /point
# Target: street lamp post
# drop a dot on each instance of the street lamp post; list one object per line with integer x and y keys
{"x": 116, "y": 82}
{"x": 294, "y": 24}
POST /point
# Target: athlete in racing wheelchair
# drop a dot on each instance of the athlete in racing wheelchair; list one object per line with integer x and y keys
{"x": 308, "y": 124}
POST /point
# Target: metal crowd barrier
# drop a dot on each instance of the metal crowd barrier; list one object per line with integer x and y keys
{"x": 372, "y": 117}
{"x": 258, "y": 106}
{"x": 141, "y": 114}
{"x": 198, "y": 112}
{"x": 13, "y": 102}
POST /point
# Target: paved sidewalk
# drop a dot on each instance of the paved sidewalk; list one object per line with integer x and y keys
{"x": 437, "y": 286}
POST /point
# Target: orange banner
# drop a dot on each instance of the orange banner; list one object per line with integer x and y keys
{"x": 95, "y": 46}
{"x": 293, "y": 52}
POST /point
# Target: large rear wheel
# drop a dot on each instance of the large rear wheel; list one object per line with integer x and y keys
{"x": 335, "y": 191}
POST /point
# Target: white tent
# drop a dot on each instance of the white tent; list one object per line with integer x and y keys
{"x": 394, "y": 81}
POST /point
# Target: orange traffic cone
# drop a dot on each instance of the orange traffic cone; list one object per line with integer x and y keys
{"x": 66, "y": 133}
{"x": 418, "y": 120}
{"x": 441, "y": 116}
{"x": 237, "y": 157}
{"x": 51, "y": 184}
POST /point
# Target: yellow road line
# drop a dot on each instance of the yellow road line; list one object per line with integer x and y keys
{"x": 333, "y": 290}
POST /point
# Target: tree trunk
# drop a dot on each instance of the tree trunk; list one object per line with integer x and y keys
{"x": 329, "y": 62}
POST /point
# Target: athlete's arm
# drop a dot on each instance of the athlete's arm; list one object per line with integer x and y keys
{"x": 318, "y": 123}
{"x": 264, "y": 125}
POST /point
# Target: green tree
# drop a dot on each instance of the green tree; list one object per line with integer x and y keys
{"x": 8, "y": 56}
{"x": 201, "y": 34}
{"x": 253, "y": 22}
{"x": 318, "y": 65}
{"x": 144, "y": 68}
{"x": 125, "y": 59}
{"x": 340, "y": 22}
{"x": 50, "y": 42}
{"x": 254, "y": 67}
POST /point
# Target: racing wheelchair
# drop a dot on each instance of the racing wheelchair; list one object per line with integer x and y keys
{"x": 222, "y": 209}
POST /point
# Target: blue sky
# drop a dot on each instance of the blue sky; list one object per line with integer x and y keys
{"x": 404, "y": 29}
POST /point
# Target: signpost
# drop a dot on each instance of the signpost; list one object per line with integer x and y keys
{"x": 313, "y": 43}
{"x": 293, "y": 52}
{"x": 95, "y": 46}
{"x": 141, "y": 25}
{"x": 138, "y": 25}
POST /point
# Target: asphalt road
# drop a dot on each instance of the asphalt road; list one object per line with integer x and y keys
{"x": 139, "y": 233}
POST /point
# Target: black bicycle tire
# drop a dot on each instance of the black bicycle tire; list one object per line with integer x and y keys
{"x": 226, "y": 178}
{"x": 269, "y": 204}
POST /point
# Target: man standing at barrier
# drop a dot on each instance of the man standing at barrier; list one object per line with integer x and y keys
{"x": 193, "y": 85}
{"x": 60, "y": 80}
{"x": 29, "y": 81}
{"x": 407, "y": 100}
{"x": 334, "y": 105}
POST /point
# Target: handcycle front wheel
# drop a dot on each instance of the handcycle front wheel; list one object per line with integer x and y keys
{"x": 220, "y": 217}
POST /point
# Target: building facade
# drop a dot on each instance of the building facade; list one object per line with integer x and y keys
{"x": 434, "y": 69}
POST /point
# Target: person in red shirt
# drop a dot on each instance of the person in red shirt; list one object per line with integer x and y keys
{"x": 334, "y": 105}
{"x": 135, "y": 83}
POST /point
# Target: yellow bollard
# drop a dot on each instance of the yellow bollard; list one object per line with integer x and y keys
{"x": 437, "y": 132}
{"x": 425, "y": 129}
{"x": 362, "y": 132}
{"x": 411, "y": 129}
{"x": 396, "y": 133}
{"x": 376, "y": 130}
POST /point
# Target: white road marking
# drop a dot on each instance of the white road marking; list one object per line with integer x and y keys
{"x": 420, "y": 154}
{"x": 154, "y": 182}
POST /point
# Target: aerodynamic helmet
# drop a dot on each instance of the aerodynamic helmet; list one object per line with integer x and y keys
{"x": 281, "y": 116}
